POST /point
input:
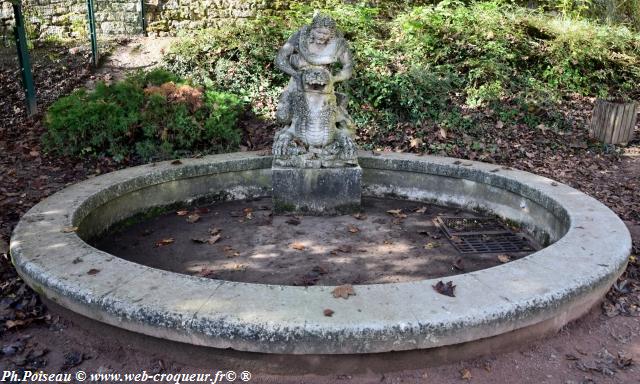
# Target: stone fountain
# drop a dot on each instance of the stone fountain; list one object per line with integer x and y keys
{"x": 316, "y": 170}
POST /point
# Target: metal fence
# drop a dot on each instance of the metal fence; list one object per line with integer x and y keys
{"x": 38, "y": 35}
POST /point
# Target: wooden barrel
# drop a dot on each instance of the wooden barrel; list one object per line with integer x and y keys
{"x": 613, "y": 123}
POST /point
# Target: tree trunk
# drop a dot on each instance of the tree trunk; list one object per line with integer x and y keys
{"x": 613, "y": 123}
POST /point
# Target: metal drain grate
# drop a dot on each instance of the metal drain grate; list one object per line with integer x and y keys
{"x": 457, "y": 226}
{"x": 492, "y": 243}
{"x": 481, "y": 235}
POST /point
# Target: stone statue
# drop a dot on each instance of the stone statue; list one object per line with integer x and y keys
{"x": 317, "y": 129}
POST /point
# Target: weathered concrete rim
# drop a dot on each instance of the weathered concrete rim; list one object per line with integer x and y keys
{"x": 591, "y": 251}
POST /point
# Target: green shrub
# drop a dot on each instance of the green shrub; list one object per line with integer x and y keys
{"x": 427, "y": 65}
{"x": 152, "y": 115}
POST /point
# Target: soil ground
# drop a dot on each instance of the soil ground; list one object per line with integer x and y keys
{"x": 252, "y": 245}
{"x": 602, "y": 347}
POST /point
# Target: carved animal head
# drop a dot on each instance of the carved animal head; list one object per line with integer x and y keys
{"x": 318, "y": 80}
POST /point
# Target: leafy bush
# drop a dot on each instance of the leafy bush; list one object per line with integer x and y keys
{"x": 150, "y": 115}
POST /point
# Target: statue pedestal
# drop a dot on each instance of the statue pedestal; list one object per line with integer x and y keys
{"x": 323, "y": 191}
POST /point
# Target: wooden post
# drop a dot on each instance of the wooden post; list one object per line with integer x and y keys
{"x": 613, "y": 123}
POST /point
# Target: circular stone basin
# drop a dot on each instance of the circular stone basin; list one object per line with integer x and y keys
{"x": 390, "y": 241}
{"x": 589, "y": 250}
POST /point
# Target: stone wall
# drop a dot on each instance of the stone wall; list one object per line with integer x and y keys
{"x": 167, "y": 17}
{"x": 68, "y": 18}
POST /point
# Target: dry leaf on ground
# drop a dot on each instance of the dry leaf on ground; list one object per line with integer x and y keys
{"x": 360, "y": 216}
{"x": 293, "y": 221}
{"x": 420, "y": 210}
{"x": 207, "y": 240}
{"x": 465, "y": 374}
{"x": 504, "y": 258}
{"x": 458, "y": 264}
{"x": 397, "y": 213}
{"x": 431, "y": 245}
{"x": 164, "y": 242}
{"x": 193, "y": 218}
{"x": 328, "y": 312}
{"x": 298, "y": 246}
{"x": 343, "y": 291}
{"x": 353, "y": 229}
{"x": 447, "y": 289}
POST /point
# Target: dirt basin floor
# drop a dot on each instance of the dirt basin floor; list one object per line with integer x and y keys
{"x": 391, "y": 241}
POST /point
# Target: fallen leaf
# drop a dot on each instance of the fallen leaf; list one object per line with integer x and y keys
{"x": 420, "y": 210}
{"x": 447, "y": 289}
{"x": 206, "y": 272}
{"x": 214, "y": 230}
{"x": 182, "y": 213}
{"x": 239, "y": 267}
{"x": 458, "y": 264}
{"x": 164, "y": 242}
{"x": 206, "y": 240}
{"x": 431, "y": 245}
{"x": 360, "y": 216}
{"x": 443, "y": 133}
{"x": 415, "y": 143}
{"x": 345, "y": 248}
{"x": 194, "y": 217}
{"x": 293, "y": 221}
{"x": 343, "y": 291}
{"x": 504, "y": 258}
{"x": 328, "y": 312}
{"x": 298, "y": 246}
{"x": 93, "y": 271}
{"x": 15, "y": 323}
{"x": 72, "y": 359}
{"x": 69, "y": 229}
{"x": 465, "y": 374}
{"x": 319, "y": 270}
{"x": 397, "y": 213}
{"x": 499, "y": 124}
{"x": 353, "y": 229}
{"x": 230, "y": 252}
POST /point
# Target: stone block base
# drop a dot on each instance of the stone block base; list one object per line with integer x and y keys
{"x": 324, "y": 191}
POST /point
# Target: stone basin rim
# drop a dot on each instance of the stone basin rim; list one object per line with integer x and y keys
{"x": 574, "y": 272}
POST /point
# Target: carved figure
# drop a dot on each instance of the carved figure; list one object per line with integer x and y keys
{"x": 317, "y": 129}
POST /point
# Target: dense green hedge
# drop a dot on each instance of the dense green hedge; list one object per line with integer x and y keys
{"x": 424, "y": 64}
{"x": 152, "y": 115}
